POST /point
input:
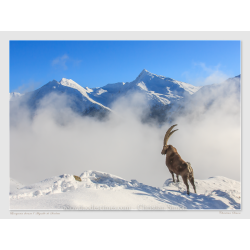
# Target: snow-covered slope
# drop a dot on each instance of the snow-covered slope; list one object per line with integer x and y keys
{"x": 102, "y": 191}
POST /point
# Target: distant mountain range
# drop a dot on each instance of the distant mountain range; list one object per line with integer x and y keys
{"x": 163, "y": 95}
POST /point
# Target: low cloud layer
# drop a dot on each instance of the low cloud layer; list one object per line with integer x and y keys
{"x": 57, "y": 141}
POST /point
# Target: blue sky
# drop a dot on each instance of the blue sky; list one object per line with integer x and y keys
{"x": 97, "y": 63}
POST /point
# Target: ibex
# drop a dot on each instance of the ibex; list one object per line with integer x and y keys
{"x": 175, "y": 163}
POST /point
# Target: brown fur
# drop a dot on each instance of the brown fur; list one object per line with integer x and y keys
{"x": 178, "y": 166}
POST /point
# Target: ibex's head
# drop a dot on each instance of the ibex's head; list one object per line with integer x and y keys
{"x": 167, "y": 136}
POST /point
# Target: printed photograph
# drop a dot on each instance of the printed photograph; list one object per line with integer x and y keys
{"x": 125, "y": 125}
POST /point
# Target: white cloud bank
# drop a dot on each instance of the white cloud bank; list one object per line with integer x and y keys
{"x": 123, "y": 145}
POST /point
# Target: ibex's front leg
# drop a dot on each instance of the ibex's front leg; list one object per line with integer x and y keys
{"x": 172, "y": 173}
{"x": 177, "y": 176}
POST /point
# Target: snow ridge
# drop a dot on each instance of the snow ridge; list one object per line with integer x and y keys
{"x": 107, "y": 190}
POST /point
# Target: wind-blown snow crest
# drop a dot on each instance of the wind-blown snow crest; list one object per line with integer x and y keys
{"x": 106, "y": 191}
{"x": 84, "y": 91}
{"x": 72, "y": 84}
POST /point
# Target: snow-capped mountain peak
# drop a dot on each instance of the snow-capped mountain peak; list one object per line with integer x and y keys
{"x": 161, "y": 84}
{"x": 69, "y": 83}
{"x": 144, "y": 73}
{"x": 77, "y": 97}
{"x": 72, "y": 84}
{"x": 158, "y": 90}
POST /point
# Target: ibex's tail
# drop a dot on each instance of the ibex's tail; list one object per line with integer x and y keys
{"x": 191, "y": 175}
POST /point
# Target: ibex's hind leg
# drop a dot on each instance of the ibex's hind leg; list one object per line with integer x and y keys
{"x": 172, "y": 173}
{"x": 185, "y": 180}
{"x": 177, "y": 178}
{"x": 191, "y": 179}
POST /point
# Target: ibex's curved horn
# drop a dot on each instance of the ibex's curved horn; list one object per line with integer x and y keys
{"x": 168, "y": 134}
